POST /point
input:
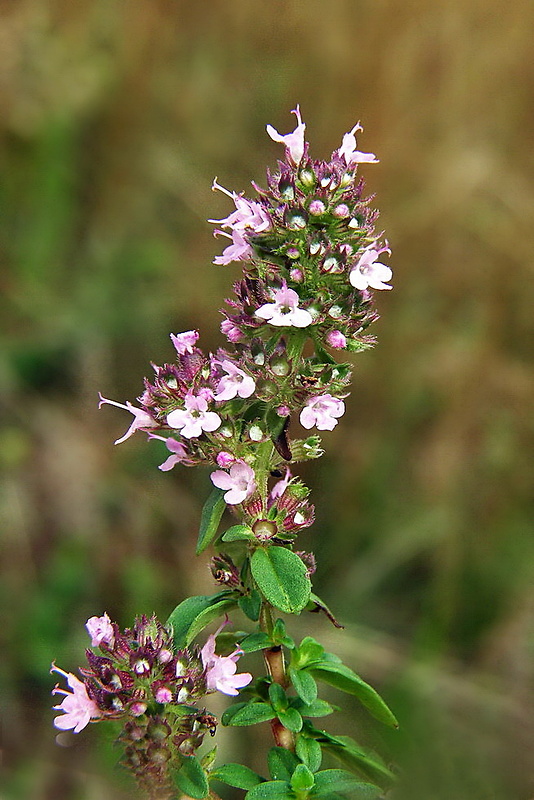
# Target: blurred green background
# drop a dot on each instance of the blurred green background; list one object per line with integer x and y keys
{"x": 116, "y": 117}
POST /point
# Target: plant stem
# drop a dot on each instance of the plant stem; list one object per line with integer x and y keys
{"x": 275, "y": 663}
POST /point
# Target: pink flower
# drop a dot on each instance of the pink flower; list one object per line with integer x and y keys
{"x": 100, "y": 630}
{"x": 239, "y": 484}
{"x": 77, "y": 707}
{"x": 336, "y": 339}
{"x": 231, "y": 331}
{"x": 322, "y": 411}
{"x": 184, "y": 342}
{"x": 235, "y": 383}
{"x": 285, "y": 310}
{"x": 142, "y": 420}
{"x": 224, "y": 459}
{"x": 349, "y": 152}
{"x": 221, "y": 670}
{"x": 195, "y": 418}
{"x": 370, "y": 272}
{"x": 179, "y": 453}
{"x": 280, "y": 486}
{"x": 249, "y": 215}
{"x": 239, "y": 250}
{"x": 294, "y": 141}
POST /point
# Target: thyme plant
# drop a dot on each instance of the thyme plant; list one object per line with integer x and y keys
{"x": 310, "y": 259}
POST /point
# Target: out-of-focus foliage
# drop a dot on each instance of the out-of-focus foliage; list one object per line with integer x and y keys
{"x": 116, "y": 117}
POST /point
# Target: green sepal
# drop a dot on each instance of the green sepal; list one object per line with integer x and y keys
{"x": 271, "y": 790}
{"x": 250, "y": 713}
{"x": 194, "y": 613}
{"x": 290, "y": 719}
{"x": 304, "y": 684}
{"x": 254, "y": 642}
{"x": 282, "y": 578}
{"x": 282, "y": 763}
{"x": 338, "y": 780}
{"x": 309, "y": 751}
{"x": 238, "y": 776}
{"x": 191, "y": 778}
{"x": 238, "y": 533}
{"x": 210, "y": 519}
{"x": 302, "y": 779}
{"x": 338, "y": 675}
{"x": 250, "y": 605}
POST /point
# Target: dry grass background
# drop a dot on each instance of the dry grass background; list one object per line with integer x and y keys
{"x": 116, "y": 116}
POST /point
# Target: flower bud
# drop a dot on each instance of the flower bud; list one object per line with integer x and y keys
{"x": 292, "y": 252}
{"x": 224, "y": 459}
{"x": 138, "y": 708}
{"x": 307, "y": 178}
{"x": 336, "y": 340}
{"x": 296, "y": 275}
{"x": 255, "y": 433}
{"x": 341, "y": 211}
{"x": 316, "y": 208}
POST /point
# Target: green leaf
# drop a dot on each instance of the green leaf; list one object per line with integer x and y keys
{"x": 308, "y": 652}
{"x": 290, "y": 719}
{"x": 302, "y": 779}
{"x": 304, "y": 683}
{"x": 278, "y": 697}
{"x": 250, "y": 605}
{"x": 318, "y": 708}
{"x": 237, "y": 775}
{"x": 358, "y": 759}
{"x": 238, "y": 533}
{"x": 340, "y": 676}
{"x": 338, "y": 780}
{"x": 282, "y": 578}
{"x": 194, "y": 613}
{"x": 210, "y": 518}
{"x": 229, "y": 712}
{"x": 309, "y": 751}
{"x": 250, "y": 714}
{"x": 191, "y": 778}
{"x": 254, "y": 642}
{"x": 271, "y": 790}
{"x": 282, "y": 763}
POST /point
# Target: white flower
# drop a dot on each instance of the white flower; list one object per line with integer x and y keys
{"x": 322, "y": 411}
{"x": 239, "y": 484}
{"x": 294, "y": 141}
{"x": 285, "y": 310}
{"x": 349, "y": 152}
{"x": 235, "y": 383}
{"x": 195, "y": 418}
{"x": 370, "y": 272}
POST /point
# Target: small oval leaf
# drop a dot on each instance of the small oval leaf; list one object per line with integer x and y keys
{"x": 251, "y": 714}
{"x": 237, "y": 775}
{"x": 238, "y": 533}
{"x": 282, "y": 578}
{"x": 191, "y": 778}
{"x": 271, "y": 790}
{"x": 194, "y": 613}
